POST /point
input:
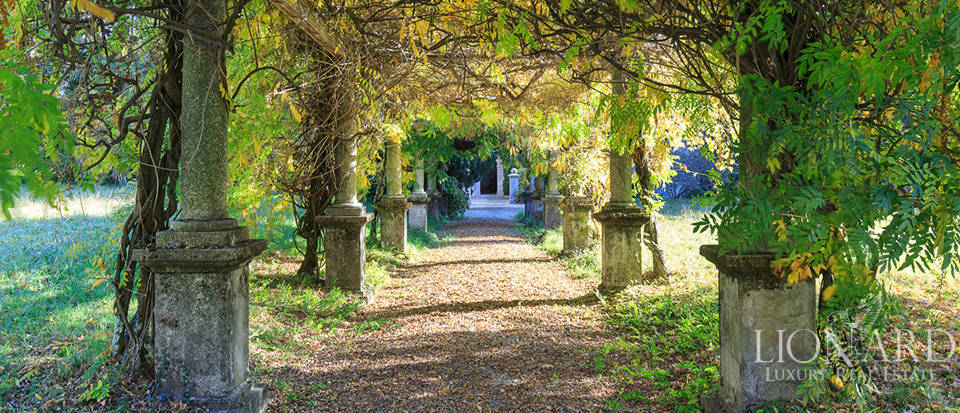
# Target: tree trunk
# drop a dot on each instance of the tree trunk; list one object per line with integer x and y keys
{"x": 642, "y": 164}
{"x": 156, "y": 203}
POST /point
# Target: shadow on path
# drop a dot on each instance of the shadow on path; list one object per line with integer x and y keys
{"x": 463, "y": 307}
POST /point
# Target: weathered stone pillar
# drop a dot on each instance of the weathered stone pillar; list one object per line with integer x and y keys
{"x": 345, "y": 224}
{"x": 552, "y": 217}
{"x": 621, "y": 225}
{"x": 393, "y": 207}
{"x": 499, "y": 177}
{"x": 419, "y": 199}
{"x": 576, "y": 223}
{"x": 514, "y": 186}
{"x": 433, "y": 207}
{"x": 538, "y": 194}
{"x": 528, "y": 196}
{"x": 768, "y": 332}
{"x": 201, "y": 315}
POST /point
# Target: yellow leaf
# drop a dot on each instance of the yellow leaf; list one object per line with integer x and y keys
{"x": 828, "y": 293}
{"x": 95, "y": 10}
{"x": 773, "y": 164}
{"x": 295, "y": 112}
{"x": 836, "y": 382}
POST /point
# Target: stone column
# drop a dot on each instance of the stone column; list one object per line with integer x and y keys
{"x": 345, "y": 224}
{"x": 433, "y": 207}
{"x": 538, "y": 194}
{"x": 201, "y": 315}
{"x": 499, "y": 177}
{"x": 576, "y": 223}
{"x": 393, "y": 207}
{"x": 768, "y": 331}
{"x": 551, "y": 202}
{"x": 419, "y": 199}
{"x": 621, "y": 224}
{"x": 514, "y": 186}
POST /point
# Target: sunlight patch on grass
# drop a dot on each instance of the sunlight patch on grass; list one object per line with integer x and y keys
{"x": 99, "y": 203}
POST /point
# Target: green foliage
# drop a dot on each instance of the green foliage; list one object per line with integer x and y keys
{"x": 457, "y": 200}
{"x": 376, "y": 276}
{"x": 420, "y": 239}
{"x": 549, "y": 240}
{"x": 849, "y": 166}
{"x": 34, "y": 132}
{"x": 665, "y": 330}
{"x": 584, "y": 264}
{"x": 309, "y": 308}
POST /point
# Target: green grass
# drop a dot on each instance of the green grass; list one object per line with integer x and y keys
{"x": 55, "y": 308}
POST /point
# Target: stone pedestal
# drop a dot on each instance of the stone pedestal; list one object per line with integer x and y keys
{"x": 417, "y": 215}
{"x": 537, "y": 206}
{"x": 514, "y": 187}
{"x": 345, "y": 251}
{"x": 201, "y": 322}
{"x": 576, "y": 223}
{"x": 551, "y": 202}
{"x": 433, "y": 207}
{"x": 621, "y": 245}
{"x": 527, "y": 198}
{"x": 552, "y": 217}
{"x": 768, "y": 332}
{"x": 537, "y": 199}
{"x": 393, "y": 223}
{"x": 499, "y": 177}
{"x": 444, "y": 208}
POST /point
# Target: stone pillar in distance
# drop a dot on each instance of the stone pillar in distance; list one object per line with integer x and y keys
{"x": 514, "y": 186}
{"x": 201, "y": 315}
{"x": 537, "y": 196}
{"x": 393, "y": 207}
{"x": 551, "y": 202}
{"x": 621, "y": 224}
{"x": 433, "y": 207}
{"x": 576, "y": 223}
{"x": 768, "y": 329}
{"x": 345, "y": 224}
{"x": 418, "y": 212}
{"x": 528, "y": 196}
{"x": 499, "y": 177}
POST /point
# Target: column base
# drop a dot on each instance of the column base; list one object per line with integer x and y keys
{"x": 551, "y": 211}
{"x": 768, "y": 332}
{"x": 536, "y": 205}
{"x": 576, "y": 223}
{"x": 417, "y": 215}
{"x": 253, "y": 398}
{"x": 393, "y": 223}
{"x": 201, "y": 324}
{"x": 433, "y": 206}
{"x": 621, "y": 245}
{"x": 527, "y": 201}
{"x": 345, "y": 252}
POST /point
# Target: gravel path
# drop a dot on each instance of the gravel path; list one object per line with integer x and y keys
{"x": 484, "y": 323}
